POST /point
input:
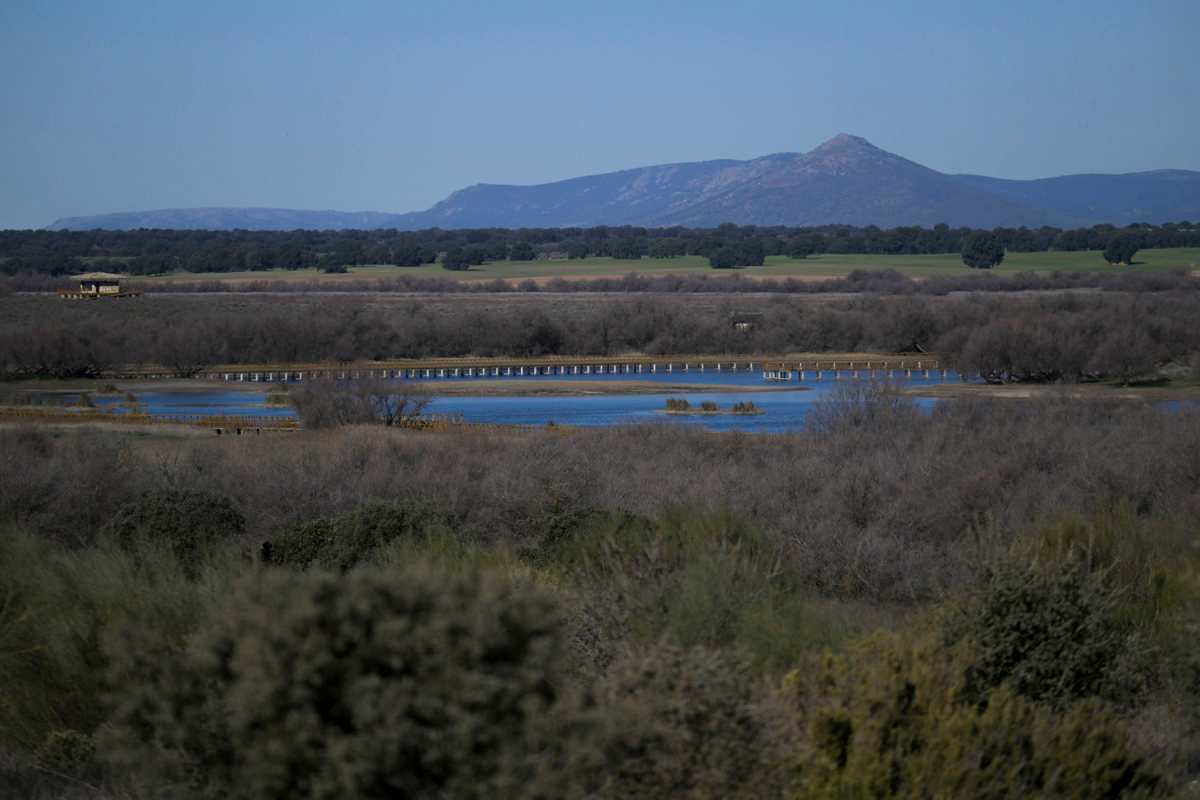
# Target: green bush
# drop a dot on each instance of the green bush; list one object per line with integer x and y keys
{"x": 982, "y": 250}
{"x": 1149, "y": 568}
{"x": 1051, "y": 636}
{"x": 347, "y": 540}
{"x": 892, "y": 718}
{"x": 1099, "y": 607}
{"x": 709, "y": 406}
{"x": 678, "y": 404}
{"x": 684, "y": 723}
{"x": 1148, "y": 577}
{"x": 69, "y": 754}
{"x": 412, "y": 683}
{"x": 191, "y": 524}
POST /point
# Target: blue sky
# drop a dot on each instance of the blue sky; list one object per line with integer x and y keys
{"x": 389, "y": 106}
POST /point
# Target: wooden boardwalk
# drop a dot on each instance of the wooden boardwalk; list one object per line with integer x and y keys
{"x": 542, "y": 366}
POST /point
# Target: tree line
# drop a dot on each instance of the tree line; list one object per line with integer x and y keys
{"x": 147, "y": 252}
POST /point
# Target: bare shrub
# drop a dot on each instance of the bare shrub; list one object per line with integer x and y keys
{"x": 1048, "y": 337}
{"x": 327, "y": 403}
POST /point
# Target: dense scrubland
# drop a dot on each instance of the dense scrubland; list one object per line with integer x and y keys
{"x": 1065, "y": 336}
{"x": 989, "y": 600}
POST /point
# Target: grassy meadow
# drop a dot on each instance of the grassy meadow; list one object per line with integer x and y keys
{"x": 813, "y": 268}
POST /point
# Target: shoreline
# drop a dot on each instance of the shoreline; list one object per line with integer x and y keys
{"x": 1031, "y": 391}
{"x": 721, "y": 412}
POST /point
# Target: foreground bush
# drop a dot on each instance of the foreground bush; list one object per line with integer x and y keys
{"x": 707, "y": 580}
{"x": 190, "y": 524}
{"x": 406, "y": 684}
{"x": 58, "y": 607}
{"x": 345, "y": 540}
{"x": 1053, "y": 638}
{"x": 70, "y": 755}
{"x": 892, "y": 720}
{"x": 1146, "y": 574}
{"x": 686, "y": 723}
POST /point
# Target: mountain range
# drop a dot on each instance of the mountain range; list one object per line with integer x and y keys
{"x": 845, "y": 180}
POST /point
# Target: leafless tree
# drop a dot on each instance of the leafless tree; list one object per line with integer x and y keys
{"x": 327, "y": 403}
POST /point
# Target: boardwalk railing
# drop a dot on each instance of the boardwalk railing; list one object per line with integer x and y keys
{"x": 78, "y": 294}
{"x": 925, "y": 366}
{"x": 547, "y": 366}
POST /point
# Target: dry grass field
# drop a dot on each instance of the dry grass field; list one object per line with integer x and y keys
{"x": 814, "y": 268}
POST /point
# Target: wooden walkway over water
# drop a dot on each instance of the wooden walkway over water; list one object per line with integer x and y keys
{"x": 798, "y": 367}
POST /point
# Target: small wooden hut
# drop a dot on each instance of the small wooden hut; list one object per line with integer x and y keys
{"x": 96, "y": 285}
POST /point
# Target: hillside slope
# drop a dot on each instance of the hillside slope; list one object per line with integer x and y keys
{"x": 846, "y": 180}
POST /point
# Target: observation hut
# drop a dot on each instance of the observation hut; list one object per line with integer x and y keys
{"x": 745, "y": 320}
{"x": 96, "y": 285}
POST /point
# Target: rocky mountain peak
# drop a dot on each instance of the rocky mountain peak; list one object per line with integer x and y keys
{"x": 844, "y": 142}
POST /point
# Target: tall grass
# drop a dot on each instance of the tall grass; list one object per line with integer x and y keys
{"x": 57, "y": 610}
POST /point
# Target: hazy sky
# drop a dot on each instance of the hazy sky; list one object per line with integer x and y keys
{"x": 389, "y": 106}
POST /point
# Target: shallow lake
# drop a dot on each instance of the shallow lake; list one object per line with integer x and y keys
{"x": 782, "y": 410}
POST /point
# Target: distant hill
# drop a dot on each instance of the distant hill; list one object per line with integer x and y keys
{"x": 1166, "y": 195}
{"x": 845, "y": 180}
{"x": 227, "y": 219}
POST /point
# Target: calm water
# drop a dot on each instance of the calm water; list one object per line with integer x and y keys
{"x": 199, "y": 402}
{"x": 782, "y": 410}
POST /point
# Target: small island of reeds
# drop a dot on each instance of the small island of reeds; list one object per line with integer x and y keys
{"x": 680, "y": 406}
{"x": 278, "y": 395}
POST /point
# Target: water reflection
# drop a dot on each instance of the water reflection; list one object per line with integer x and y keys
{"x": 782, "y": 410}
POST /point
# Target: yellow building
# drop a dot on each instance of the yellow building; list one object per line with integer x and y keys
{"x": 94, "y": 285}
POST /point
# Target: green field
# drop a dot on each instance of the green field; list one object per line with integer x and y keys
{"x": 817, "y": 267}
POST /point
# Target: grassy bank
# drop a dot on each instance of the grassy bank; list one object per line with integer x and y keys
{"x": 1186, "y": 389}
{"x": 814, "y": 268}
